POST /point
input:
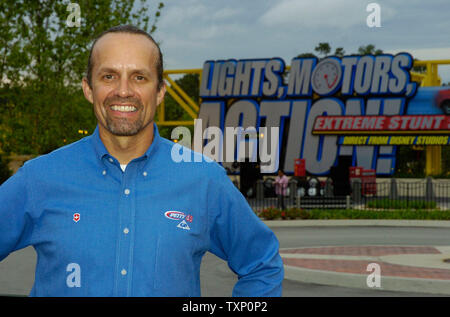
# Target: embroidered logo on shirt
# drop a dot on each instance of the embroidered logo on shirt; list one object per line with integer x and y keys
{"x": 178, "y": 215}
{"x": 174, "y": 215}
{"x": 76, "y": 217}
{"x": 183, "y": 225}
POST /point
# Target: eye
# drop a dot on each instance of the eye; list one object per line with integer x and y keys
{"x": 140, "y": 78}
{"x": 108, "y": 77}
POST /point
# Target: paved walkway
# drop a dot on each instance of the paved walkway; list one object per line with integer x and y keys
{"x": 402, "y": 268}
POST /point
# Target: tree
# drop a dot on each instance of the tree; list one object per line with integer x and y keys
{"x": 42, "y": 62}
{"x": 306, "y": 55}
{"x": 419, "y": 69}
{"x": 339, "y": 52}
{"x": 5, "y": 172}
{"x": 369, "y": 50}
{"x": 323, "y": 49}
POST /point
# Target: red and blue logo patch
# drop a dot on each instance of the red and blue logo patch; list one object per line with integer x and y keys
{"x": 178, "y": 215}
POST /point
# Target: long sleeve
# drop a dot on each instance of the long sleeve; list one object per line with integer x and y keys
{"x": 241, "y": 238}
{"x": 15, "y": 223}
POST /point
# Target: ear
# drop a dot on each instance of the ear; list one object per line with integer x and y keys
{"x": 161, "y": 93}
{"x": 87, "y": 90}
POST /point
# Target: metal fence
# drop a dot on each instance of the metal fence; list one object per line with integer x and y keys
{"x": 380, "y": 194}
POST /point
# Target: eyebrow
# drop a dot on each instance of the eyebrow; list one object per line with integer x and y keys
{"x": 134, "y": 71}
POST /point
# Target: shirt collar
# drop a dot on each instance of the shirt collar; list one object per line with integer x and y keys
{"x": 101, "y": 150}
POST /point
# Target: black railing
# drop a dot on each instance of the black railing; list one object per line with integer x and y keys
{"x": 357, "y": 194}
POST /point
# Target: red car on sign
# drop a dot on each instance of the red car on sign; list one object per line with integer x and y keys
{"x": 442, "y": 100}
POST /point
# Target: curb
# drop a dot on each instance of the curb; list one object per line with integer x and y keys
{"x": 357, "y": 222}
{"x": 388, "y": 283}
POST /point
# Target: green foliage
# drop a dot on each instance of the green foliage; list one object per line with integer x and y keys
{"x": 306, "y": 55}
{"x": 270, "y": 213}
{"x": 323, "y": 49}
{"x": 322, "y": 214}
{"x": 410, "y": 163}
{"x": 339, "y": 52}
{"x": 401, "y": 204}
{"x": 297, "y": 213}
{"x": 42, "y": 62}
{"x": 369, "y": 50}
{"x": 382, "y": 214}
{"x": 289, "y": 213}
{"x": 5, "y": 172}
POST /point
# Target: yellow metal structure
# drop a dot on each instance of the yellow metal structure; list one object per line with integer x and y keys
{"x": 429, "y": 77}
{"x": 180, "y": 96}
{"x": 433, "y": 163}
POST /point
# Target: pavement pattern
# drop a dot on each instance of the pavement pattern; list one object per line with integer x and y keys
{"x": 423, "y": 268}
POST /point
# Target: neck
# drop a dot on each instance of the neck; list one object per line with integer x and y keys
{"x": 127, "y": 148}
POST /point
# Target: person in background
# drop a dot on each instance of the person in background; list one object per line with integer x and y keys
{"x": 281, "y": 184}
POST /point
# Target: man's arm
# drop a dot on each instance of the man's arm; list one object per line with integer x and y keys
{"x": 15, "y": 223}
{"x": 241, "y": 238}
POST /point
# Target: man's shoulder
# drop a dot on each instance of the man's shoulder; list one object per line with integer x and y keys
{"x": 66, "y": 154}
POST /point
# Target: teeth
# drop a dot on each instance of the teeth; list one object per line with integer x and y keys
{"x": 123, "y": 108}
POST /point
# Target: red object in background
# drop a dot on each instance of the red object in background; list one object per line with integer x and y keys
{"x": 300, "y": 167}
{"x": 442, "y": 100}
{"x": 355, "y": 172}
{"x": 368, "y": 182}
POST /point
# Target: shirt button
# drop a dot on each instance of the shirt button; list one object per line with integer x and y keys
{"x": 145, "y": 173}
{"x": 126, "y": 191}
{"x": 123, "y": 272}
{"x": 111, "y": 160}
{"x": 104, "y": 172}
{"x": 126, "y": 230}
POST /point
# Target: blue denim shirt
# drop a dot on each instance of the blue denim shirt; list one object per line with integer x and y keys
{"x": 99, "y": 231}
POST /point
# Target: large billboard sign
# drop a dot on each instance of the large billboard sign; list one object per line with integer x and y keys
{"x": 319, "y": 109}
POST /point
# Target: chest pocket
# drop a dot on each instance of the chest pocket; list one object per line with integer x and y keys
{"x": 181, "y": 244}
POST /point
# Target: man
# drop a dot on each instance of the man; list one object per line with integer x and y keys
{"x": 114, "y": 215}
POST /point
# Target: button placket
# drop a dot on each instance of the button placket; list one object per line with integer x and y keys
{"x": 126, "y": 214}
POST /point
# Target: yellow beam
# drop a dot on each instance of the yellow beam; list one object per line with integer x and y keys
{"x": 436, "y": 62}
{"x": 174, "y": 123}
{"x": 182, "y": 93}
{"x": 433, "y": 164}
{"x": 184, "y": 71}
{"x": 181, "y": 102}
{"x": 162, "y": 111}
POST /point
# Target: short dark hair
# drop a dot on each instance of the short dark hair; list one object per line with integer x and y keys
{"x": 131, "y": 29}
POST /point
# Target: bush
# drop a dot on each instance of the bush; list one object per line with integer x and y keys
{"x": 321, "y": 214}
{"x": 297, "y": 213}
{"x": 401, "y": 204}
{"x": 381, "y": 214}
{"x": 270, "y": 213}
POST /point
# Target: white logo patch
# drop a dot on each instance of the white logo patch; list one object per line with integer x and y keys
{"x": 183, "y": 225}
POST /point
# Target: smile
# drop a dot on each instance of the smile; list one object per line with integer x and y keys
{"x": 123, "y": 108}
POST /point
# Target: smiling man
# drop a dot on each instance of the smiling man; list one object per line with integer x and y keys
{"x": 114, "y": 215}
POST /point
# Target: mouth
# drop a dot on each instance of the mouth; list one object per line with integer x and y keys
{"x": 123, "y": 108}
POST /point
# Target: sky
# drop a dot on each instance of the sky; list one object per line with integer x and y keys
{"x": 194, "y": 31}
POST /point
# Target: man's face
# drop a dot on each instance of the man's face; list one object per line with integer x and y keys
{"x": 124, "y": 88}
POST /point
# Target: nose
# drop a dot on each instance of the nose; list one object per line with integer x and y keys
{"x": 124, "y": 89}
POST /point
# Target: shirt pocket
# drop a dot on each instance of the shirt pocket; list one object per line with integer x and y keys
{"x": 181, "y": 244}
